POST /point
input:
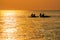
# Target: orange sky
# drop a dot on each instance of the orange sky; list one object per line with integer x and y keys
{"x": 30, "y": 4}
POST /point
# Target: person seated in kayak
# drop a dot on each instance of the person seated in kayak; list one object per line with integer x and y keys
{"x": 32, "y": 15}
{"x": 41, "y": 15}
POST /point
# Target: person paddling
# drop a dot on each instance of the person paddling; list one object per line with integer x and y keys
{"x": 32, "y": 15}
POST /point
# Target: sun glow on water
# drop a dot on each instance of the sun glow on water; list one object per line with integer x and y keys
{"x": 9, "y": 28}
{"x": 8, "y": 12}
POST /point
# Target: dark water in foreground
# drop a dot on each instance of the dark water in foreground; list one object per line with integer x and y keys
{"x": 22, "y": 27}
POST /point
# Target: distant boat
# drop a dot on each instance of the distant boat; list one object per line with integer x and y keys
{"x": 33, "y": 15}
{"x": 41, "y": 15}
{"x": 44, "y": 16}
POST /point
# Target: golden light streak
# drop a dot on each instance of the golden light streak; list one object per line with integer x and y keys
{"x": 8, "y": 12}
{"x": 9, "y": 28}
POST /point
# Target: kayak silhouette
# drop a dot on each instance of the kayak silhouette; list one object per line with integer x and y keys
{"x": 41, "y": 15}
{"x": 44, "y": 16}
{"x": 33, "y": 15}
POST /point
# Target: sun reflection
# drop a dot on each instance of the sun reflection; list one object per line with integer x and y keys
{"x": 10, "y": 30}
{"x": 8, "y": 12}
{"x": 10, "y": 39}
{"x": 9, "y": 27}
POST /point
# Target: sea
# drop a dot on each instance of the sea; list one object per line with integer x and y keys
{"x": 19, "y": 25}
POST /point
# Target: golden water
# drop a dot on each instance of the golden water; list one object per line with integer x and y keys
{"x": 15, "y": 27}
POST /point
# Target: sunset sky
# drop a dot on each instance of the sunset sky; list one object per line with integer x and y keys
{"x": 30, "y": 4}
